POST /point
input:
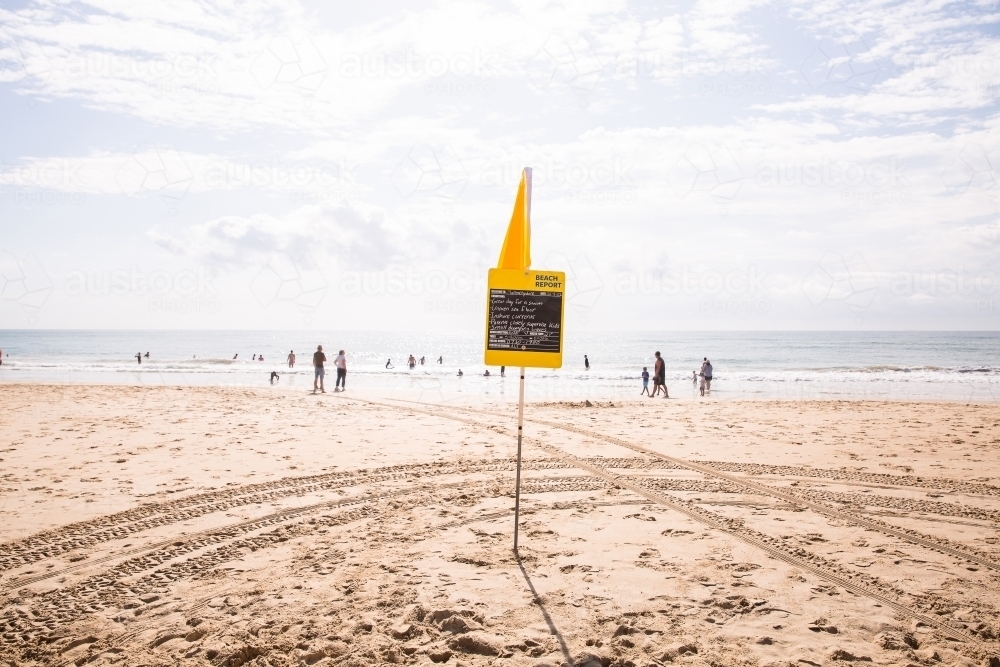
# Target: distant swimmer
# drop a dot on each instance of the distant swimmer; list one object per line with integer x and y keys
{"x": 487, "y": 373}
{"x": 318, "y": 360}
{"x": 586, "y": 362}
{"x": 146, "y": 355}
{"x": 411, "y": 362}
{"x": 260, "y": 357}
{"x": 341, "y": 363}
{"x": 274, "y": 377}
{"x": 440, "y": 360}
{"x": 236, "y": 355}
{"x": 255, "y": 357}
{"x": 503, "y": 371}
{"x": 460, "y": 373}
{"x": 388, "y": 363}
{"x": 421, "y": 361}
{"x": 138, "y": 357}
{"x": 645, "y": 382}
{"x": 291, "y": 359}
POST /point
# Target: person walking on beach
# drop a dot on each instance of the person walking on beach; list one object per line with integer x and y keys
{"x": 318, "y": 360}
{"x": 341, "y": 363}
{"x": 645, "y": 382}
{"x": 586, "y": 363}
{"x": 503, "y": 371}
{"x": 291, "y": 359}
{"x": 659, "y": 376}
{"x": 706, "y": 372}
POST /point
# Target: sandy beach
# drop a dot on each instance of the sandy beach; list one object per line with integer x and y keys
{"x": 180, "y": 525}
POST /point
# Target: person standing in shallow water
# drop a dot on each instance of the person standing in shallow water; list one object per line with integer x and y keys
{"x": 586, "y": 363}
{"x": 341, "y": 363}
{"x": 319, "y": 359}
{"x": 291, "y": 359}
{"x": 706, "y": 372}
{"x": 659, "y": 376}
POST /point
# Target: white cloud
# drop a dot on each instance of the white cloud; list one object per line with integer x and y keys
{"x": 724, "y": 134}
{"x": 350, "y": 235}
{"x": 347, "y": 237}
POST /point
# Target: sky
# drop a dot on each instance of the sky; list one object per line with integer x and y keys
{"x": 708, "y": 165}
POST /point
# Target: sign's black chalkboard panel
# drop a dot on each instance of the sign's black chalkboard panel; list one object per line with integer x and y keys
{"x": 524, "y": 320}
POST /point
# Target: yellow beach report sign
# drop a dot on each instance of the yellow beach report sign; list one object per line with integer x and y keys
{"x": 524, "y": 316}
{"x": 524, "y": 313}
{"x": 525, "y": 306}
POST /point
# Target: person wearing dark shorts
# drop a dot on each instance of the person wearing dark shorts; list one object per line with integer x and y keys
{"x": 659, "y": 376}
{"x": 318, "y": 360}
{"x": 341, "y": 363}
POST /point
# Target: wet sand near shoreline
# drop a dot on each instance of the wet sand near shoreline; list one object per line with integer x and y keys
{"x": 225, "y": 526}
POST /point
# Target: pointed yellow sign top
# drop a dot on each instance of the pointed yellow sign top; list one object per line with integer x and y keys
{"x": 516, "y": 251}
{"x": 524, "y": 306}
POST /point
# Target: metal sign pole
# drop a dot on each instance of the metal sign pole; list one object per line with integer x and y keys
{"x": 517, "y": 486}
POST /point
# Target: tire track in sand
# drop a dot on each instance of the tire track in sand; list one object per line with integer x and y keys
{"x": 486, "y": 466}
{"x": 940, "y": 545}
{"x": 52, "y": 609}
{"x": 21, "y": 628}
{"x": 90, "y": 533}
{"x": 861, "y": 584}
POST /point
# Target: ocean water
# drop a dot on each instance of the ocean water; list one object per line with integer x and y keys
{"x": 952, "y": 366}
